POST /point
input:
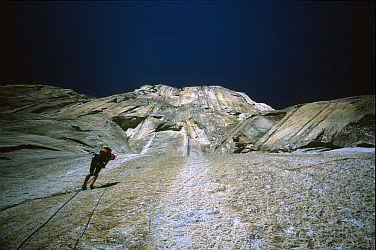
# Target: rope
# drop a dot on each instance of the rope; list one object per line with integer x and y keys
{"x": 48, "y": 220}
{"x": 65, "y": 203}
{"x": 45, "y": 223}
{"x": 92, "y": 213}
{"x": 88, "y": 222}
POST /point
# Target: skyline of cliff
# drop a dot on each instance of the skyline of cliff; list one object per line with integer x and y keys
{"x": 282, "y": 53}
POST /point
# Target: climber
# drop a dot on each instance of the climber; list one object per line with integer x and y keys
{"x": 98, "y": 162}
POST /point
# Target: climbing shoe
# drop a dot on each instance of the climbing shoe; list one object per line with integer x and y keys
{"x": 83, "y": 187}
{"x": 92, "y": 187}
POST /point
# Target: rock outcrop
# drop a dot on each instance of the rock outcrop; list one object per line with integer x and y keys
{"x": 347, "y": 122}
{"x": 153, "y": 196}
{"x": 165, "y": 120}
{"x": 31, "y": 117}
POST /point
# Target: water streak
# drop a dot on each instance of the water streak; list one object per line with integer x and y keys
{"x": 148, "y": 144}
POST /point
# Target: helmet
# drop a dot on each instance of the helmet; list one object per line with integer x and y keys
{"x": 107, "y": 151}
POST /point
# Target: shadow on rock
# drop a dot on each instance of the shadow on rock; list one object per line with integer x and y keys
{"x": 108, "y": 184}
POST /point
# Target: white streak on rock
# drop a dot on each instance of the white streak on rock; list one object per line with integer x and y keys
{"x": 194, "y": 213}
{"x": 148, "y": 144}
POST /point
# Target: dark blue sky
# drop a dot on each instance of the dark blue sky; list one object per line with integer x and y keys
{"x": 280, "y": 53}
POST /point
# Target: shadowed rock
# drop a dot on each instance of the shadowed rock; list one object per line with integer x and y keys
{"x": 207, "y": 119}
{"x": 167, "y": 188}
{"x": 346, "y": 122}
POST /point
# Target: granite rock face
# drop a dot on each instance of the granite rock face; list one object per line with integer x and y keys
{"x": 169, "y": 187}
{"x": 347, "y": 122}
{"x": 33, "y": 117}
{"x": 165, "y": 120}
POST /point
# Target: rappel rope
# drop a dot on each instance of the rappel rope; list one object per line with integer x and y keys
{"x": 45, "y": 223}
{"x": 92, "y": 213}
{"x": 62, "y": 206}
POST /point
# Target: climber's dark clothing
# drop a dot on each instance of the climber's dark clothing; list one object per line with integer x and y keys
{"x": 98, "y": 162}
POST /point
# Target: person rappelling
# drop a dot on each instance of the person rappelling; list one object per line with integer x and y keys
{"x": 98, "y": 162}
